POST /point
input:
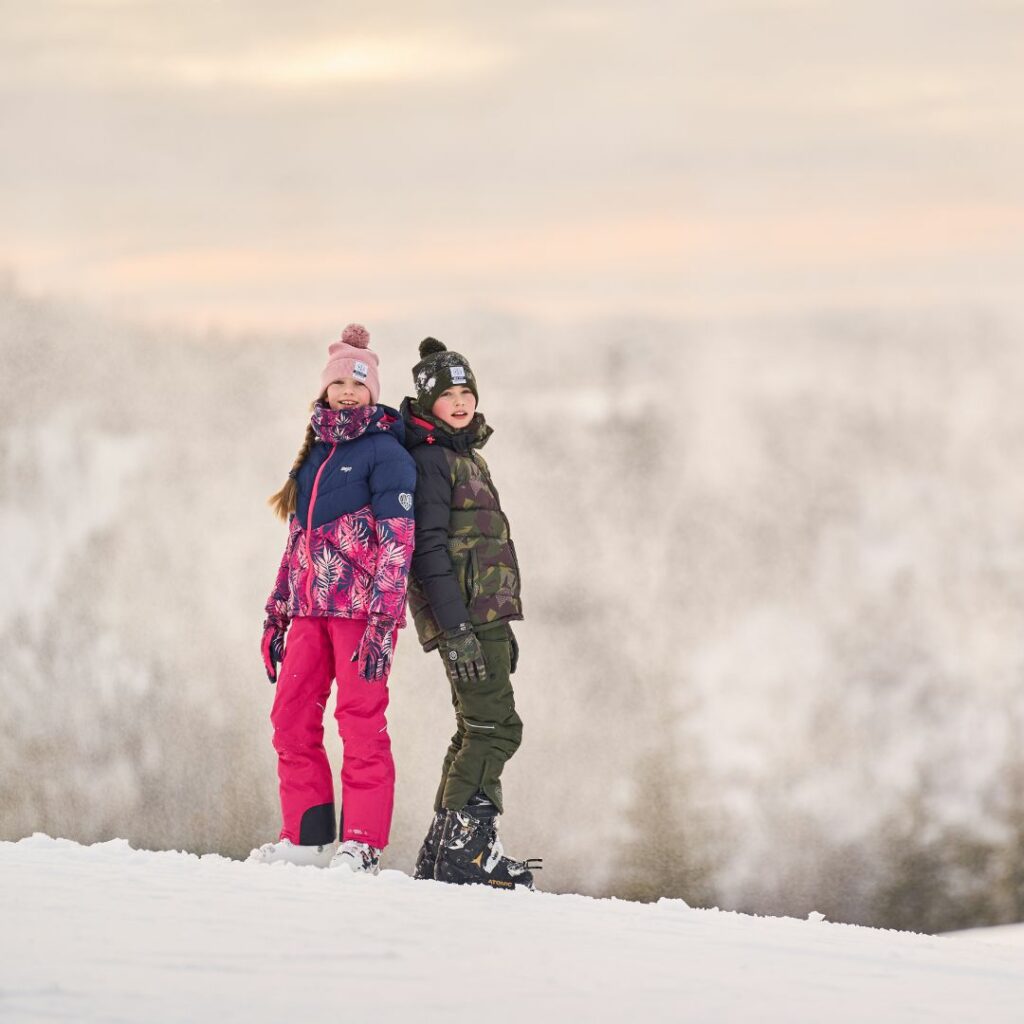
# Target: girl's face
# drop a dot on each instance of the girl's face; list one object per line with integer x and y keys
{"x": 347, "y": 393}
{"x": 455, "y": 407}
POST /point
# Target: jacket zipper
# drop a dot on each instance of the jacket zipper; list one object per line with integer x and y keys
{"x": 309, "y": 529}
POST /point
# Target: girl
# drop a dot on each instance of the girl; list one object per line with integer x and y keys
{"x": 464, "y": 594}
{"x": 339, "y": 598}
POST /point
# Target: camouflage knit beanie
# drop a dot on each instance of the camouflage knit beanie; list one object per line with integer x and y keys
{"x": 438, "y": 370}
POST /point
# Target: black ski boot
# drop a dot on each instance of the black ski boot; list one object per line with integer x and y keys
{"x": 471, "y": 852}
{"x": 427, "y": 857}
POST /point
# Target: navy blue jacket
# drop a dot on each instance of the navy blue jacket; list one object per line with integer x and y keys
{"x": 373, "y": 469}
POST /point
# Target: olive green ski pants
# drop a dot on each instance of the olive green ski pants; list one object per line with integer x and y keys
{"x": 488, "y": 729}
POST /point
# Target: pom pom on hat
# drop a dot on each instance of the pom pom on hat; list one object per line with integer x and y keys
{"x": 356, "y": 335}
{"x": 351, "y": 357}
{"x": 428, "y": 346}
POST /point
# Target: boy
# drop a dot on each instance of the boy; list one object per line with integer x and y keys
{"x": 463, "y": 594}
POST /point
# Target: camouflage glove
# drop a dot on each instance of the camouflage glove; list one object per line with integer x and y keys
{"x": 462, "y": 654}
{"x": 513, "y": 651}
{"x": 273, "y": 647}
{"x": 376, "y": 648}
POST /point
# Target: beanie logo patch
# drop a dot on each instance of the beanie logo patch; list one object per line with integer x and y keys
{"x": 360, "y": 371}
{"x": 458, "y": 374}
{"x": 405, "y": 500}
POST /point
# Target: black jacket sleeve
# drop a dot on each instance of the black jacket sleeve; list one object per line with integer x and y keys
{"x": 431, "y": 563}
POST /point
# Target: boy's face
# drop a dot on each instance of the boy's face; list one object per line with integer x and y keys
{"x": 347, "y": 393}
{"x": 455, "y": 406}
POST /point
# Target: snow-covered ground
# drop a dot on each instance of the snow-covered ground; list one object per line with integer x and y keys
{"x": 108, "y": 933}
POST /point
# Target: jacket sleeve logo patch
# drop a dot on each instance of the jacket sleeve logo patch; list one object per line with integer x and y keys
{"x": 405, "y": 500}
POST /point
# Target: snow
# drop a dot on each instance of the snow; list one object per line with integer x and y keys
{"x": 1002, "y": 935}
{"x": 108, "y": 933}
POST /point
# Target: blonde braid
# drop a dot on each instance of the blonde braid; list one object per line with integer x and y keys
{"x": 284, "y": 501}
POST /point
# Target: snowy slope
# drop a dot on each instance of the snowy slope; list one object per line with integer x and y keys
{"x": 107, "y": 933}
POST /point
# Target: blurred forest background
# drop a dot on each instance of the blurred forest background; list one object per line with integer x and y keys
{"x": 774, "y": 585}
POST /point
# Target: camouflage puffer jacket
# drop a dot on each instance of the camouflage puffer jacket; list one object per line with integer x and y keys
{"x": 464, "y": 567}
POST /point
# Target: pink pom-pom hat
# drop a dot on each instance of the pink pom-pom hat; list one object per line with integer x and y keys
{"x": 351, "y": 357}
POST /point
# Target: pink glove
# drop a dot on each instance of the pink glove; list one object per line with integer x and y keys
{"x": 273, "y": 648}
{"x": 376, "y": 648}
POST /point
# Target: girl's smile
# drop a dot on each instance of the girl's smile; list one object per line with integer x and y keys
{"x": 347, "y": 393}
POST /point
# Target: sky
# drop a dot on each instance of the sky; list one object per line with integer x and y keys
{"x": 277, "y": 166}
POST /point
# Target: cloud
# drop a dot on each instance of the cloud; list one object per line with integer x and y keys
{"x": 344, "y": 59}
{"x": 351, "y": 59}
{"x": 107, "y": 44}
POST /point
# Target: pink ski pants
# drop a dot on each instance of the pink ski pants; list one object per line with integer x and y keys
{"x": 317, "y": 651}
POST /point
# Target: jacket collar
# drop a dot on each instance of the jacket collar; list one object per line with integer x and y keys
{"x": 422, "y": 428}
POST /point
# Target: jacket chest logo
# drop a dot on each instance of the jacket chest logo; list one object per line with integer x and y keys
{"x": 345, "y": 469}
